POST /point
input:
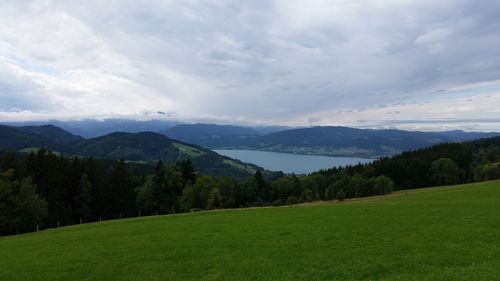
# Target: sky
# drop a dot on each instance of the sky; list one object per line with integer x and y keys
{"x": 416, "y": 65}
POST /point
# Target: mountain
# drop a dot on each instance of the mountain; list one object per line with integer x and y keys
{"x": 15, "y": 139}
{"x": 330, "y": 141}
{"x": 145, "y": 147}
{"x": 263, "y": 130}
{"x": 344, "y": 141}
{"x": 459, "y": 135}
{"x": 327, "y": 140}
{"x": 211, "y": 135}
{"x": 52, "y": 132}
{"x": 91, "y": 128}
{"x": 150, "y": 147}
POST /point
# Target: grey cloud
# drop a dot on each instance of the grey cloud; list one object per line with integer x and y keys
{"x": 257, "y": 60}
{"x": 18, "y": 92}
{"x": 443, "y": 121}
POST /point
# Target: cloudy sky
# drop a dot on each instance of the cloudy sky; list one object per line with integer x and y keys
{"x": 427, "y": 65}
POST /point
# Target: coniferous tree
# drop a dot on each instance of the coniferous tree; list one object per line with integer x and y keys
{"x": 156, "y": 195}
{"x": 32, "y": 207}
{"x": 121, "y": 190}
{"x": 144, "y": 197}
{"x": 10, "y": 162}
{"x": 187, "y": 171}
{"x": 84, "y": 199}
{"x": 173, "y": 186}
{"x": 9, "y": 210}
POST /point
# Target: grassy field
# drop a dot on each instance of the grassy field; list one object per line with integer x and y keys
{"x": 450, "y": 233}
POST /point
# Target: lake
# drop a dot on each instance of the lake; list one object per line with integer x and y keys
{"x": 290, "y": 163}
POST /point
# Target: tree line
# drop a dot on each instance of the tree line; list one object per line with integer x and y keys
{"x": 45, "y": 189}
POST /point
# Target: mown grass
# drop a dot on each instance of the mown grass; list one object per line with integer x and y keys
{"x": 450, "y": 233}
{"x": 188, "y": 150}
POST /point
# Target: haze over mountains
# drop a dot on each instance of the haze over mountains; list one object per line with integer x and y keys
{"x": 330, "y": 141}
{"x": 327, "y": 140}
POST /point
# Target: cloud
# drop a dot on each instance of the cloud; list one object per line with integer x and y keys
{"x": 286, "y": 62}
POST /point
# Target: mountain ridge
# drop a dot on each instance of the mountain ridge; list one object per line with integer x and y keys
{"x": 329, "y": 140}
{"x": 143, "y": 147}
{"x": 318, "y": 140}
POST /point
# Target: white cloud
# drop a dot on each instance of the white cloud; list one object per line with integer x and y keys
{"x": 289, "y": 62}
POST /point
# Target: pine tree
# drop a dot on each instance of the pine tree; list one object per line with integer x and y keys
{"x": 121, "y": 191}
{"x": 84, "y": 199}
{"x": 9, "y": 210}
{"x": 156, "y": 195}
{"x": 10, "y": 161}
{"x": 33, "y": 208}
{"x": 187, "y": 171}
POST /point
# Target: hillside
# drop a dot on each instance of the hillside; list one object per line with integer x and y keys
{"x": 137, "y": 147}
{"x": 150, "y": 147}
{"x": 343, "y": 141}
{"x": 211, "y": 135}
{"x": 330, "y": 141}
{"x": 53, "y": 133}
{"x": 15, "y": 139}
{"x": 428, "y": 234}
{"x": 91, "y": 128}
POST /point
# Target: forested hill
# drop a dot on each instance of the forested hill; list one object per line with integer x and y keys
{"x": 53, "y": 133}
{"x": 144, "y": 147}
{"x": 211, "y": 135}
{"x": 150, "y": 147}
{"x": 332, "y": 141}
{"x": 442, "y": 164}
{"x": 343, "y": 141}
{"x": 12, "y": 138}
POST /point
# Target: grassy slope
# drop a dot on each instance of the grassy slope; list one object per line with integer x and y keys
{"x": 440, "y": 234}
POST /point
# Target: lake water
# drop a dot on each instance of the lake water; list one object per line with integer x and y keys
{"x": 290, "y": 163}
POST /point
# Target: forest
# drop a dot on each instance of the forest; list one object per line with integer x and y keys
{"x": 44, "y": 189}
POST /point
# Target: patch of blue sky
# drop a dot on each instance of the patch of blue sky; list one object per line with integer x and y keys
{"x": 31, "y": 66}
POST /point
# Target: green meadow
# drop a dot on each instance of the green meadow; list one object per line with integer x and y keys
{"x": 446, "y": 233}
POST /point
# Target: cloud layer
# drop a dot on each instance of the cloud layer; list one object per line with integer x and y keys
{"x": 358, "y": 63}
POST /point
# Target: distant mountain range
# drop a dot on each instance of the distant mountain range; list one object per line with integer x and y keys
{"x": 95, "y": 128}
{"x": 330, "y": 141}
{"x": 92, "y": 128}
{"x": 145, "y": 147}
{"x": 213, "y": 136}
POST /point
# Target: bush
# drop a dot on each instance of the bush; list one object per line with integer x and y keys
{"x": 278, "y": 202}
{"x": 340, "y": 195}
{"x": 445, "y": 171}
{"x": 292, "y": 200}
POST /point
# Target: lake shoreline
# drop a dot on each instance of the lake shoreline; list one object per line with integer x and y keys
{"x": 291, "y": 162}
{"x": 311, "y": 152}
